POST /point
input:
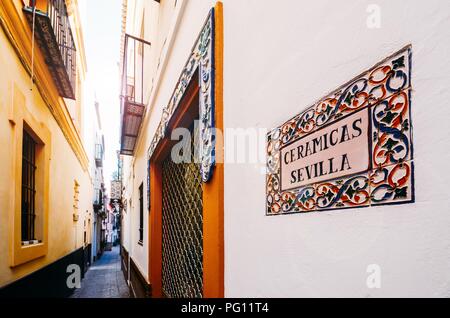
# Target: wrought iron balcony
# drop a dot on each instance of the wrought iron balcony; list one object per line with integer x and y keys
{"x": 98, "y": 200}
{"x": 132, "y": 92}
{"x": 54, "y": 37}
{"x": 99, "y": 155}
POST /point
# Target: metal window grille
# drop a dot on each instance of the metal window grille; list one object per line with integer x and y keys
{"x": 182, "y": 228}
{"x": 28, "y": 187}
{"x": 141, "y": 213}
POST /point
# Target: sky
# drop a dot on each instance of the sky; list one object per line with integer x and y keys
{"x": 101, "y": 22}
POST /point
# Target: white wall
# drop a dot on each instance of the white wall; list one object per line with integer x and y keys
{"x": 126, "y": 214}
{"x": 282, "y": 56}
{"x": 180, "y": 25}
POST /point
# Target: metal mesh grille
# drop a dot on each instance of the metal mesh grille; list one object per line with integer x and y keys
{"x": 182, "y": 229}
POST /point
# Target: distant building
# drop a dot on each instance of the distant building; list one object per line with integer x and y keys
{"x": 116, "y": 190}
{"x": 116, "y": 204}
{"x": 98, "y": 233}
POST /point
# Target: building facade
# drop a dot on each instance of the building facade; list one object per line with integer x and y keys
{"x": 46, "y": 186}
{"x": 116, "y": 202}
{"x": 99, "y": 197}
{"x": 259, "y": 85}
{"x": 111, "y": 225}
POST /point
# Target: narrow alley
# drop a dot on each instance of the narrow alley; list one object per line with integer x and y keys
{"x": 223, "y": 149}
{"x": 104, "y": 279}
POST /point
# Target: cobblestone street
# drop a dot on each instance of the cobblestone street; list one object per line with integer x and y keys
{"x": 104, "y": 279}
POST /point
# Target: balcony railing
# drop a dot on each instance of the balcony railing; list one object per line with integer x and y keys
{"x": 54, "y": 37}
{"x": 132, "y": 91}
{"x": 98, "y": 200}
{"x": 99, "y": 155}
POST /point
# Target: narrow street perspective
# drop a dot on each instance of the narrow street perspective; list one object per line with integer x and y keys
{"x": 104, "y": 279}
{"x": 212, "y": 149}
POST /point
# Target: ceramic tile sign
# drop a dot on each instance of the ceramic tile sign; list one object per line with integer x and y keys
{"x": 337, "y": 150}
{"x": 352, "y": 148}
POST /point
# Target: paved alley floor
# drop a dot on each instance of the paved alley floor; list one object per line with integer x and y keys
{"x": 104, "y": 279}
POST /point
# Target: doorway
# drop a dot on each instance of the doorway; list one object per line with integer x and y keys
{"x": 182, "y": 224}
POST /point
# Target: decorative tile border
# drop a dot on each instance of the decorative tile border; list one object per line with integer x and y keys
{"x": 385, "y": 90}
{"x": 201, "y": 59}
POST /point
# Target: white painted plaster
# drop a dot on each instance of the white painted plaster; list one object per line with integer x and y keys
{"x": 280, "y": 57}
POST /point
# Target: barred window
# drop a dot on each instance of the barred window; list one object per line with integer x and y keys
{"x": 28, "y": 187}
{"x": 141, "y": 213}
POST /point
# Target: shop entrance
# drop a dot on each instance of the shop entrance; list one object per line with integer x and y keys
{"x": 182, "y": 224}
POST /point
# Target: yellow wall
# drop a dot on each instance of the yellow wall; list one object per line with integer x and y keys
{"x": 65, "y": 167}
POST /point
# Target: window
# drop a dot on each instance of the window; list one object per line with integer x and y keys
{"x": 98, "y": 152}
{"x": 28, "y": 188}
{"x": 84, "y": 234}
{"x": 141, "y": 214}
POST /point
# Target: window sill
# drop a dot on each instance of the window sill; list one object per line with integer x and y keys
{"x": 29, "y": 252}
{"x": 31, "y": 243}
